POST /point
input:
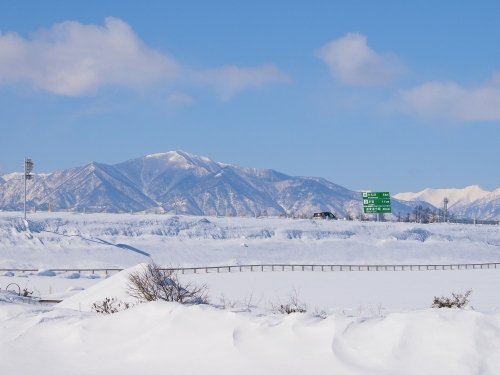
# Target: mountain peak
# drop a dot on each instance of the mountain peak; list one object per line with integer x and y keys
{"x": 164, "y": 155}
{"x": 94, "y": 166}
{"x": 180, "y": 158}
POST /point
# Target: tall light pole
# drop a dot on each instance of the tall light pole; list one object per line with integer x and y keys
{"x": 445, "y": 208}
{"x": 28, "y": 167}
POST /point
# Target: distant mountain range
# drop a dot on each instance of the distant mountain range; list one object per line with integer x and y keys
{"x": 182, "y": 183}
{"x": 470, "y": 202}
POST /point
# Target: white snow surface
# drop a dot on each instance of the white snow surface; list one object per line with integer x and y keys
{"x": 161, "y": 337}
{"x": 65, "y": 240}
{"x": 356, "y": 323}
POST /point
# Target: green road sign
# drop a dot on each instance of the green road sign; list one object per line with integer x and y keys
{"x": 376, "y": 195}
{"x": 377, "y": 209}
{"x": 376, "y": 202}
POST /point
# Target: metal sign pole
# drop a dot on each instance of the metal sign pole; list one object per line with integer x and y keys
{"x": 25, "y": 178}
{"x": 28, "y": 167}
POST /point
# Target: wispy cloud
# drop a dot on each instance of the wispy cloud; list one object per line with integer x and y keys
{"x": 352, "y": 62}
{"x": 453, "y": 101}
{"x": 231, "y": 80}
{"x": 179, "y": 98}
{"x": 74, "y": 59}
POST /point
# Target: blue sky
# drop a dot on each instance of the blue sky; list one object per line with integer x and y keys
{"x": 383, "y": 95}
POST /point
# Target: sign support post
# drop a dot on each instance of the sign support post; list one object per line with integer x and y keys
{"x": 28, "y": 167}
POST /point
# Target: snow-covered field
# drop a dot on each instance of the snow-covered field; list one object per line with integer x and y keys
{"x": 98, "y": 240}
{"x": 356, "y": 323}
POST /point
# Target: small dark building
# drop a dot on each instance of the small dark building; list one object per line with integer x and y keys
{"x": 324, "y": 215}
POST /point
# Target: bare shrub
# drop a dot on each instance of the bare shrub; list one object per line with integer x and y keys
{"x": 152, "y": 283}
{"x": 110, "y": 306}
{"x": 457, "y": 300}
{"x": 378, "y": 310}
{"x": 293, "y": 306}
{"x": 226, "y": 303}
{"x": 322, "y": 314}
{"x": 249, "y": 304}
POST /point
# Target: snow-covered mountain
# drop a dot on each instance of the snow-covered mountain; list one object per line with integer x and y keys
{"x": 469, "y": 202}
{"x": 456, "y": 197}
{"x": 487, "y": 207}
{"x": 180, "y": 182}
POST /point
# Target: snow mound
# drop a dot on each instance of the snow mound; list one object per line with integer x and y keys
{"x": 44, "y": 272}
{"x": 415, "y": 234}
{"x": 112, "y": 287}
{"x": 168, "y": 336}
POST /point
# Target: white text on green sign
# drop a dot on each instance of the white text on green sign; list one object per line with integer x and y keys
{"x": 383, "y": 194}
{"x": 377, "y": 202}
{"x": 377, "y": 209}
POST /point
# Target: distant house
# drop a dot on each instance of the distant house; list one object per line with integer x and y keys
{"x": 324, "y": 215}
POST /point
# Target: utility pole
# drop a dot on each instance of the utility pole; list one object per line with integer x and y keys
{"x": 445, "y": 208}
{"x": 28, "y": 167}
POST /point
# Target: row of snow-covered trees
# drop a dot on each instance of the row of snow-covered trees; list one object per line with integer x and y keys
{"x": 421, "y": 214}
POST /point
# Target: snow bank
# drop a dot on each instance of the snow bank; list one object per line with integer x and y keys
{"x": 112, "y": 287}
{"x": 160, "y": 337}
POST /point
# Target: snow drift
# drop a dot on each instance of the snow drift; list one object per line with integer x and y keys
{"x": 159, "y": 338}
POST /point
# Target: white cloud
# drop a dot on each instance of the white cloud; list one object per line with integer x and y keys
{"x": 451, "y": 100}
{"x": 230, "y": 80}
{"x": 74, "y": 59}
{"x": 352, "y": 62}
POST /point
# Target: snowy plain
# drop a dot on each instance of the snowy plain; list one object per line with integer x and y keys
{"x": 66, "y": 240}
{"x": 356, "y": 323}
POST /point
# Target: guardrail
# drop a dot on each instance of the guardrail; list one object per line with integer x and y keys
{"x": 283, "y": 268}
{"x": 335, "y": 267}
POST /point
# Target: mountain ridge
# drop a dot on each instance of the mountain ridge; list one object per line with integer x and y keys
{"x": 184, "y": 183}
{"x": 468, "y": 202}
{"x": 456, "y": 196}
